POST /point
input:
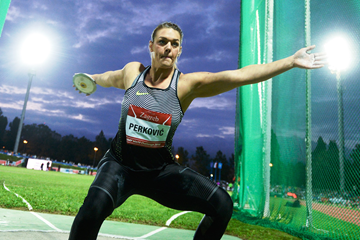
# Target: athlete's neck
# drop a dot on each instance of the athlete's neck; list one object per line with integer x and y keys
{"x": 158, "y": 75}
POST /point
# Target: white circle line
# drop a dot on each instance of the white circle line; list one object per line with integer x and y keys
{"x": 23, "y": 199}
{"x": 46, "y": 222}
{"x": 168, "y": 222}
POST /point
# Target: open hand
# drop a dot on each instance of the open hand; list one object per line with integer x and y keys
{"x": 303, "y": 59}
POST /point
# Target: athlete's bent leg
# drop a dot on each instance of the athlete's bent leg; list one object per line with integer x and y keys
{"x": 96, "y": 208}
{"x": 184, "y": 189}
{"x": 108, "y": 191}
{"x": 212, "y": 227}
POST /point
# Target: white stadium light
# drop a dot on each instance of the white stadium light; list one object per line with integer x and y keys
{"x": 339, "y": 53}
{"x": 35, "y": 49}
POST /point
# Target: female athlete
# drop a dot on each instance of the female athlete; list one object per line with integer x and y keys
{"x": 140, "y": 161}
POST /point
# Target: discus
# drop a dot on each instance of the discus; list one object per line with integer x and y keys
{"x": 84, "y": 83}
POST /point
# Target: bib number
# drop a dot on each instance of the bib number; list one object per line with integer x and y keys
{"x": 147, "y": 128}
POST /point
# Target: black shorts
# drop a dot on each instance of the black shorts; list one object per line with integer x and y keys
{"x": 173, "y": 186}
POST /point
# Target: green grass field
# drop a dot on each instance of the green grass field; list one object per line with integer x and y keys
{"x": 324, "y": 224}
{"x": 61, "y": 193}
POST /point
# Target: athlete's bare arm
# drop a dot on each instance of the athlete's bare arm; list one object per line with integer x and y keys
{"x": 205, "y": 84}
{"x": 122, "y": 78}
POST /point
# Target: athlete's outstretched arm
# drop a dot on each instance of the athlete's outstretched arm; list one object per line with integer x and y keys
{"x": 110, "y": 79}
{"x": 204, "y": 84}
{"x": 117, "y": 78}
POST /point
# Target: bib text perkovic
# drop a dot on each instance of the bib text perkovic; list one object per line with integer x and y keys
{"x": 147, "y": 128}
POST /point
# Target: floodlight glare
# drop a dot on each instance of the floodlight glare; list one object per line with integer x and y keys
{"x": 338, "y": 53}
{"x": 35, "y": 49}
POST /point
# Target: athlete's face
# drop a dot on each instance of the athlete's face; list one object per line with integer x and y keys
{"x": 166, "y": 47}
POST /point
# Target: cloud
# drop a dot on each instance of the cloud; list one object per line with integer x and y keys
{"x": 224, "y": 132}
{"x": 213, "y": 56}
{"x": 33, "y": 106}
{"x": 96, "y": 102}
{"x": 38, "y": 5}
{"x": 140, "y": 16}
{"x": 13, "y": 90}
{"x": 102, "y": 19}
{"x": 6, "y": 89}
{"x": 137, "y": 50}
{"x": 45, "y": 110}
{"x": 214, "y": 103}
{"x": 218, "y": 56}
{"x": 13, "y": 13}
{"x": 227, "y": 130}
{"x": 188, "y": 122}
{"x": 49, "y": 102}
{"x": 95, "y": 22}
{"x": 94, "y": 36}
{"x": 14, "y": 105}
{"x": 200, "y": 135}
{"x": 82, "y": 118}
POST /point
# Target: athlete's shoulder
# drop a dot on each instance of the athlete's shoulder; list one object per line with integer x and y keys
{"x": 134, "y": 66}
{"x": 131, "y": 71}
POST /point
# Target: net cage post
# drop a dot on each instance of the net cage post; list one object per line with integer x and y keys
{"x": 268, "y": 57}
{"x": 253, "y": 112}
{"x": 4, "y": 6}
{"x": 248, "y": 115}
{"x": 309, "y": 218}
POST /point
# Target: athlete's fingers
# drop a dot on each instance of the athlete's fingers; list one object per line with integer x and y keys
{"x": 309, "y": 48}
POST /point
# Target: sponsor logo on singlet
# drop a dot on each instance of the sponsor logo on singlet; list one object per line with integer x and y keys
{"x": 147, "y": 128}
{"x": 141, "y": 94}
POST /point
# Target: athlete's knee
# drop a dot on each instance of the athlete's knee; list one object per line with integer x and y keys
{"x": 223, "y": 203}
{"x": 96, "y": 207}
{"x": 213, "y": 225}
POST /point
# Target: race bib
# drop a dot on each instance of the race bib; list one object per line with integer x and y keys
{"x": 147, "y": 128}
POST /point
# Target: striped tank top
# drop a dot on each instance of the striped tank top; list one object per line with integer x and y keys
{"x": 148, "y": 121}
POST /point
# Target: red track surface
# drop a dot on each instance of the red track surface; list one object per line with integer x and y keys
{"x": 344, "y": 214}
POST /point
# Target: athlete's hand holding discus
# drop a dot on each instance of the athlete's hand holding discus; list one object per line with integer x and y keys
{"x": 84, "y": 83}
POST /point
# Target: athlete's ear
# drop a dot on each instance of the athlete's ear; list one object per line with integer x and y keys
{"x": 150, "y": 46}
{"x": 180, "y": 51}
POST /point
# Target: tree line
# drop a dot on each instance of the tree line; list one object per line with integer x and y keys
{"x": 44, "y": 142}
{"x": 325, "y": 167}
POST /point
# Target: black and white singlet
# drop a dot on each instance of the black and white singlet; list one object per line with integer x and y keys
{"x": 149, "y": 119}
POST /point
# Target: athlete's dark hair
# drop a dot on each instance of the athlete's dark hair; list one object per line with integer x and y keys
{"x": 167, "y": 25}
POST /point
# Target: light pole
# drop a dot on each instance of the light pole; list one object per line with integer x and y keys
{"x": 34, "y": 51}
{"x": 31, "y": 75}
{"x": 339, "y": 58}
{"x": 95, "y": 150}
{"x": 341, "y": 131}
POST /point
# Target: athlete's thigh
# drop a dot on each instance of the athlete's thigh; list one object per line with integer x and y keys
{"x": 183, "y": 189}
{"x": 113, "y": 179}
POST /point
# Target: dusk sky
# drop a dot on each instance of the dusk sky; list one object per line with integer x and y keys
{"x": 98, "y": 36}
